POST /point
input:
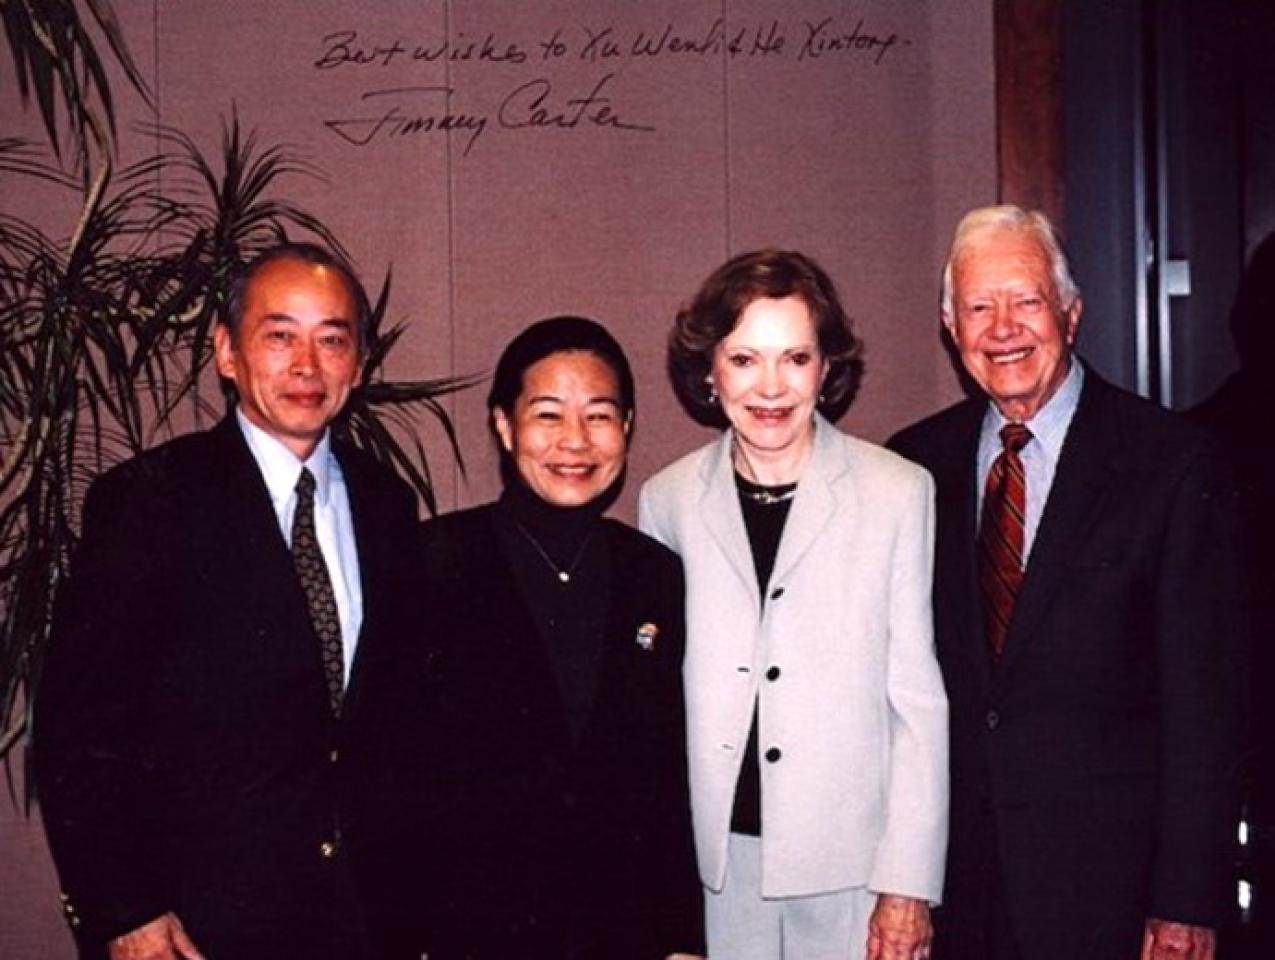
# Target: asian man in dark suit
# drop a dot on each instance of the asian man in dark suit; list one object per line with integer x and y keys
{"x": 1089, "y": 615}
{"x": 218, "y": 653}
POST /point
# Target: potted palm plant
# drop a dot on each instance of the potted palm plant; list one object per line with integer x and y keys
{"x": 105, "y": 337}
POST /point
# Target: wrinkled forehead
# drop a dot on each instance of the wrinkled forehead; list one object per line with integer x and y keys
{"x": 999, "y": 257}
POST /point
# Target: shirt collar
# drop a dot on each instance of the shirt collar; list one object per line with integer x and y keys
{"x": 1049, "y": 426}
{"x": 280, "y": 467}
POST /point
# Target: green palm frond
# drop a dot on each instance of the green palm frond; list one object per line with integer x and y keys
{"x": 56, "y": 62}
{"x": 103, "y": 338}
{"x": 106, "y": 335}
{"x": 377, "y": 405}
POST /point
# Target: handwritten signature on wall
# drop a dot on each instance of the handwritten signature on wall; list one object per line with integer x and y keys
{"x": 533, "y": 105}
{"x": 399, "y": 111}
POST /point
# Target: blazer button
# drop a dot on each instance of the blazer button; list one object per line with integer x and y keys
{"x": 772, "y": 673}
{"x": 776, "y": 593}
{"x": 993, "y": 719}
{"x": 327, "y": 849}
{"x": 773, "y": 754}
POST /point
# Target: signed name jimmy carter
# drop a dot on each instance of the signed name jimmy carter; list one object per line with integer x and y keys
{"x": 534, "y": 105}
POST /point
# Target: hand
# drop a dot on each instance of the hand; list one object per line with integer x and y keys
{"x": 899, "y": 929}
{"x": 1166, "y": 940}
{"x": 685, "y": 956}
{"x": 161, "y": 939}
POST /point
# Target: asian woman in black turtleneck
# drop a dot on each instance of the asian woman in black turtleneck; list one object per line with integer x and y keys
{"x": 558, "y": 696}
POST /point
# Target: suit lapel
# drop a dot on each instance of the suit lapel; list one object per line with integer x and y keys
{"x": 376, "y": 580}
{"x": 251, "y": 528}
{"x": 252, "y": 536}
{"x": 957, "y": 540}
{"x": 814, "y": 504}
{"x": 625, "y": 613}
{"x": 719, "y": 507}
{"x": 1087, "y": 465}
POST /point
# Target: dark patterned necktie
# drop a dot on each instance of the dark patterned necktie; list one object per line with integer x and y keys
{"x": 1000, "y": 536}
{"x": 312, "y": 571}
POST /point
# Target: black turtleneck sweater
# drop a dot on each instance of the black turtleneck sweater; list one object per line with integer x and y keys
{"x": 764, "y": 522}
{"x": 541, "y": 541}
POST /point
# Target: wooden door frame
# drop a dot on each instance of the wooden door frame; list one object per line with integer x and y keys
{"x": 1029, "y": 105}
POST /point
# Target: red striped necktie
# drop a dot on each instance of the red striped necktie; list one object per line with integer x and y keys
{"x": 1000, "y": 537}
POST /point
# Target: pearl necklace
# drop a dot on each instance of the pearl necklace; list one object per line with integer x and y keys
{"x": 770, "y": 496}
{"x": 765, "y": 494}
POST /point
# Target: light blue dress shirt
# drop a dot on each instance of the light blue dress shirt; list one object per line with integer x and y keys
{"x": 333, "y": 522}
{"x": 1040, "y": 455}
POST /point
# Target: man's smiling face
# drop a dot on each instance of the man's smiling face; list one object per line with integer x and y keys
{"x": 295, "y": 357}
{"x": 1008, "y": 323}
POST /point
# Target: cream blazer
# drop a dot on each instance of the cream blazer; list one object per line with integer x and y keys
{"x": 841, "y": 659}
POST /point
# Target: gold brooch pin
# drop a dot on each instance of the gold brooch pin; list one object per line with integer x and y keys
{"x": 646, "y": 635}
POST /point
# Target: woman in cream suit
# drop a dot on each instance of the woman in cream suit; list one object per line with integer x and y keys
{"x": 817, "y": 721}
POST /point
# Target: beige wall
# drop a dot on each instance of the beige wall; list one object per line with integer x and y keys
{"x": 863, "y": 157}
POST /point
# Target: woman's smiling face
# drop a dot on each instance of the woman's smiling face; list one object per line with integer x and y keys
{"x": 767, "y": 373}
{"x": 568, "y": 433}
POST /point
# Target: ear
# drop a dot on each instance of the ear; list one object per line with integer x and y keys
{"x": 504, "y": 429}
{"x": 949, "y": 324}
{"x": 628, "y": 423}
{"x": 1072, "y": 315}
{"x": 224, "y": 351}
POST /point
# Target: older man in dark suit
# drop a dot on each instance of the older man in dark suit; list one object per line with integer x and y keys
{"x": 218, "y": 653}
{"x": 1089, "y": 611}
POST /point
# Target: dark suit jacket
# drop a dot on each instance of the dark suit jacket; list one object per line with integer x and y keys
{"x": 185, "y": 752}
{"x": 544, "y": 829}
{"x": 1102, "y": 748}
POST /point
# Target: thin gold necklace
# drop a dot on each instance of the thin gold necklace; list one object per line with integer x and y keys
{"x": 564, "y": 574}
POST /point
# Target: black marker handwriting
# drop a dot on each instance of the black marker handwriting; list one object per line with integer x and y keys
{"x": 531, "y": 105}
{"x": 342, "y": 48}
{"x": 397, "y": 113}
{"x": 821, "y": 41}
{"x": 761, "y": 40}
{"x": 396, "y": 120}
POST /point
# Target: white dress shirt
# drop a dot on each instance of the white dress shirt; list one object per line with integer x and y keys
{"x": 1040, "y": 455}
{"x": 333, "y": 522}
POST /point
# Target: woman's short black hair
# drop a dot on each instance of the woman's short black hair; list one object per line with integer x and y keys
{"x": 715, "y": 310}
{"x": 557, "y": 335}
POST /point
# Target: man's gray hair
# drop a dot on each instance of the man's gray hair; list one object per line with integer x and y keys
{"x": 1008, "y": 217}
